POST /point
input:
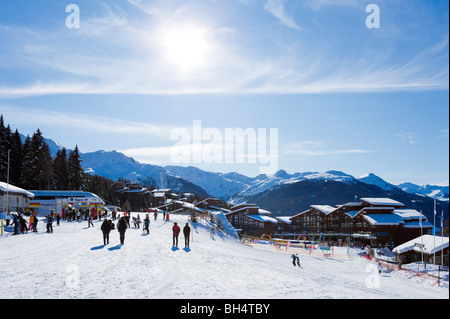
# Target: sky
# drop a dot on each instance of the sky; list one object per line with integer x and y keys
{"x": 310, "y": 82}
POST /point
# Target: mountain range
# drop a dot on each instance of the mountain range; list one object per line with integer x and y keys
{"x": 282, "y": 193}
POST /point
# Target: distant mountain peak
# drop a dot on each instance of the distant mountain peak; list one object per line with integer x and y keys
{"x": 373, "y": 179}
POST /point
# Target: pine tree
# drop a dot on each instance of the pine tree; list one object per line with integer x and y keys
{"x": 76, "y": 171}
{"x": 61, "y": 169}
{"x": 26, "y": 175}
{"x": 15, "y": 172}
{"x": 4, "y": 147}
{"x": 37, "y": 168}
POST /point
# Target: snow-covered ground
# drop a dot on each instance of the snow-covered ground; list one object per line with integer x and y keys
{"x": 73, "y": 263}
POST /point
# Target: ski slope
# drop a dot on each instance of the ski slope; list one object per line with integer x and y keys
{"x": 72, "y": 263}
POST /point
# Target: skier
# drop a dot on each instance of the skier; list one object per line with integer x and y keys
{"x": 58, "y": 217}
{"x": 90, "y": 222}
{"x": 138, "y": 221}
{"x": 379, "y": 268}
{"x": 146, "y": 224}
{"x": 31, "y": 222}
{"x": 35, "y": 222}
{"x": 23, "y": 224}
{"x": 16, "y": 224}
{"x": 50, "y": 224}
{"x": 106, "y": 229}
{"x": 295, "y": 260}
{"x": 187, "y": 233}
{"x": 176, "y": 232}
{"x": 122, "y": 228}
{"x": 212, "y": 232}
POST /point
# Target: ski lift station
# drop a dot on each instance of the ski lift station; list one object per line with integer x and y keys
{"x": 48, "y": 200}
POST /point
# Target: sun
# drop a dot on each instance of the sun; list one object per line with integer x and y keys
{"x": 185, "y": 46}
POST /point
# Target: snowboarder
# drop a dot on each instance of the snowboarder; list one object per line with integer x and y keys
{"x": 122, "y": 228}
{"x": 176, "y": 232}
{"x": 146, "y": 224}
{"x": 106, "y": 229}
{"x": 187, "y": 233}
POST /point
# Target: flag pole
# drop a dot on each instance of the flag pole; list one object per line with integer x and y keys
{"x": 442, "y": 238}
{"x": 421, "y": 234}
{"x": 434, "y": 232}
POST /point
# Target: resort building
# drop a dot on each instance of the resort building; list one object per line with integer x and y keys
{"x": 377, "y": 220}
{"x": 46, "y": 201}
{"x": 13, "y": 198}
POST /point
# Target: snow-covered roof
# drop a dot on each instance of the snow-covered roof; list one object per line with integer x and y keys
{"x": 53, "y": 193}
{"x": 264, "y": 219}
{"x": 159, "y": 195}
{"x": 306, "y": 211}
{"x": 284, "y": 219}
{"x": 409, "y": 214}
{"x": 264, "y": 212}
{"x": 416, "y": 224}
{"x": 352, "y": 213}
{"x": 382, "y": 201}
{"x": 221, "y": 209}
{"x": 383, "y": 219}
{"x": 431, "y": 244}
{"x": 4, "y": 187}
{"x": 326, "y": 209}
{"x": 166, "y": 190}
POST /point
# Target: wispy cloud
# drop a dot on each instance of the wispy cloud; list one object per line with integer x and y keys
{"x": 318, "y": 148}
{"x": 115, "y": 54}
{"x": 276, "y": 8}
{"x": 319, "y": 4}
{"x": 408, "y": 137}
{"x": 82, "y": 122}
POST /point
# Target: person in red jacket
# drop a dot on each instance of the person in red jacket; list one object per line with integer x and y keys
{"x": 176, "y": 232}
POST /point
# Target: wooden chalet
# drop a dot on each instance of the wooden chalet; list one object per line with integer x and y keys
{"x": 378, "y": 220}
{"x": 252, "y": 220}
{"x": 433, "y": 248}
{"x": 131, "y": 196}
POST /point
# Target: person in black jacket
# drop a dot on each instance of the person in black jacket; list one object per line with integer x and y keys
{"x": 50, "y": 224}
{"x": 122, "y": 228}
{"x": 106, "y": 229}
{"x": 187, "y": 234}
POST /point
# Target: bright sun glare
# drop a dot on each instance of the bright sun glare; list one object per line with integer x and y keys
{"x": 185, "y": 46}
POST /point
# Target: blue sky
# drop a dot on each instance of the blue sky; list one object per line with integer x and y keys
{"x": 342, "y": 96}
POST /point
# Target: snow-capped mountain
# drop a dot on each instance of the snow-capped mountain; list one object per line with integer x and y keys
{"x": 433, "y": 191}
{"x": 373, "y": 179}
{"x": 219, "y": 185}
{"x": 282, "y": 178}
{"x": 232, "y": 187}
{"x": 116, "y": 165}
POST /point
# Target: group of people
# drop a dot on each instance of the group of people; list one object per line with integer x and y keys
{"x": 176, "y": 232}
{"x": 20, "y": 223}
{"x": 122, "y": 227}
